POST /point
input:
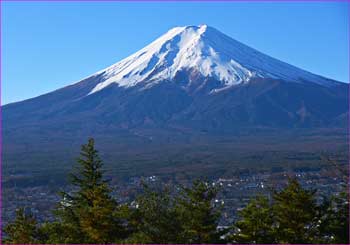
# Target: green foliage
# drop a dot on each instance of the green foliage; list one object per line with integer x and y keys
{"x": 292, "y": 216}
{"x": 89, "y": 214}
{"x": 198, "y": 216}
{"x": 188, "y": 215}
{"x": 23, "y": 230}
{"x": 185, "y": 217}
{"x": 155, "y": 218}
{"x": 256, "y": 223}
{"x": 55, "y": 232}
{"x": 295, "y": 214}
{"x": 334, "y": 223}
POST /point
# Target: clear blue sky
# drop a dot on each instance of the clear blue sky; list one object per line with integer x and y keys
{"x": 47, "y": 45}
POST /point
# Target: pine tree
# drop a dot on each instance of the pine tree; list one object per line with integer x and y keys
{"x": 89, "y": 214}
{"x": 198, "y": 215}
{"x": 334, "y": 224}
{"x": 255, "y": 224}
{"x": 23, "y": 230}
{"x": 292, "y": 216}
{"x": 296, "y": 214}
{"x": 155, "y": 219}
{"x": 185, "y": 217}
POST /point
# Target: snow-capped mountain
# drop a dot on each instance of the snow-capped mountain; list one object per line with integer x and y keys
{"x": 192, "y": 75}
{"x": 208, "y": 51}
{"x": 192, "y": 91}
{"x": 193, "y": 80}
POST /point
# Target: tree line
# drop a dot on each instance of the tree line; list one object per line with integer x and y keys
{"x": 90, "y": 214}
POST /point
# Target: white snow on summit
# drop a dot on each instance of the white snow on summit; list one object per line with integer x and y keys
{"x": 205, "y": 49}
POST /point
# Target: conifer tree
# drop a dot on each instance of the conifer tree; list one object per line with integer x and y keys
{"x": 296, "y": 214}
{"x": 198, "y": 215}
{"x": 155, "y": 219}
{"x": 334, "y": 224}
{"x": 292, "y": 216}
{"x": 23, "y": 230}
{"x": 89, "y": 214}
{"x": 255, "y": 224}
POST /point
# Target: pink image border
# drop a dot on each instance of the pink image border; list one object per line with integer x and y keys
{"x": 160, "y": 1}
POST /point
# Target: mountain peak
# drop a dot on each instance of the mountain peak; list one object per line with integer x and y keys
{"x": 201, "y": 28}
{"x": 206, "y": 50}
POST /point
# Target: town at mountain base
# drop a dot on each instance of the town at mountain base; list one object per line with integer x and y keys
{"x": 90, "y": 214}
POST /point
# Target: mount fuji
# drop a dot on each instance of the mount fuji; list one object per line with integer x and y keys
{"x": 205, "y": 50}
{"x": 193, "y": 81}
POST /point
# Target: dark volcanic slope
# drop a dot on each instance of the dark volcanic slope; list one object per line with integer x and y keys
{"x": 262, "y": 102}
{"x": 150, "y": 116}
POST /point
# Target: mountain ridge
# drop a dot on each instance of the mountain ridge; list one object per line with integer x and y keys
{"x": 206, "y": 49}
{"x": 187, "y": 108}
{"x": 187, "y": 65}
{"x": 112, "y": 73}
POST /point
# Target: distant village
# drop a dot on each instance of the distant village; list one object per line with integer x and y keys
{"x": 235, "y": 192}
